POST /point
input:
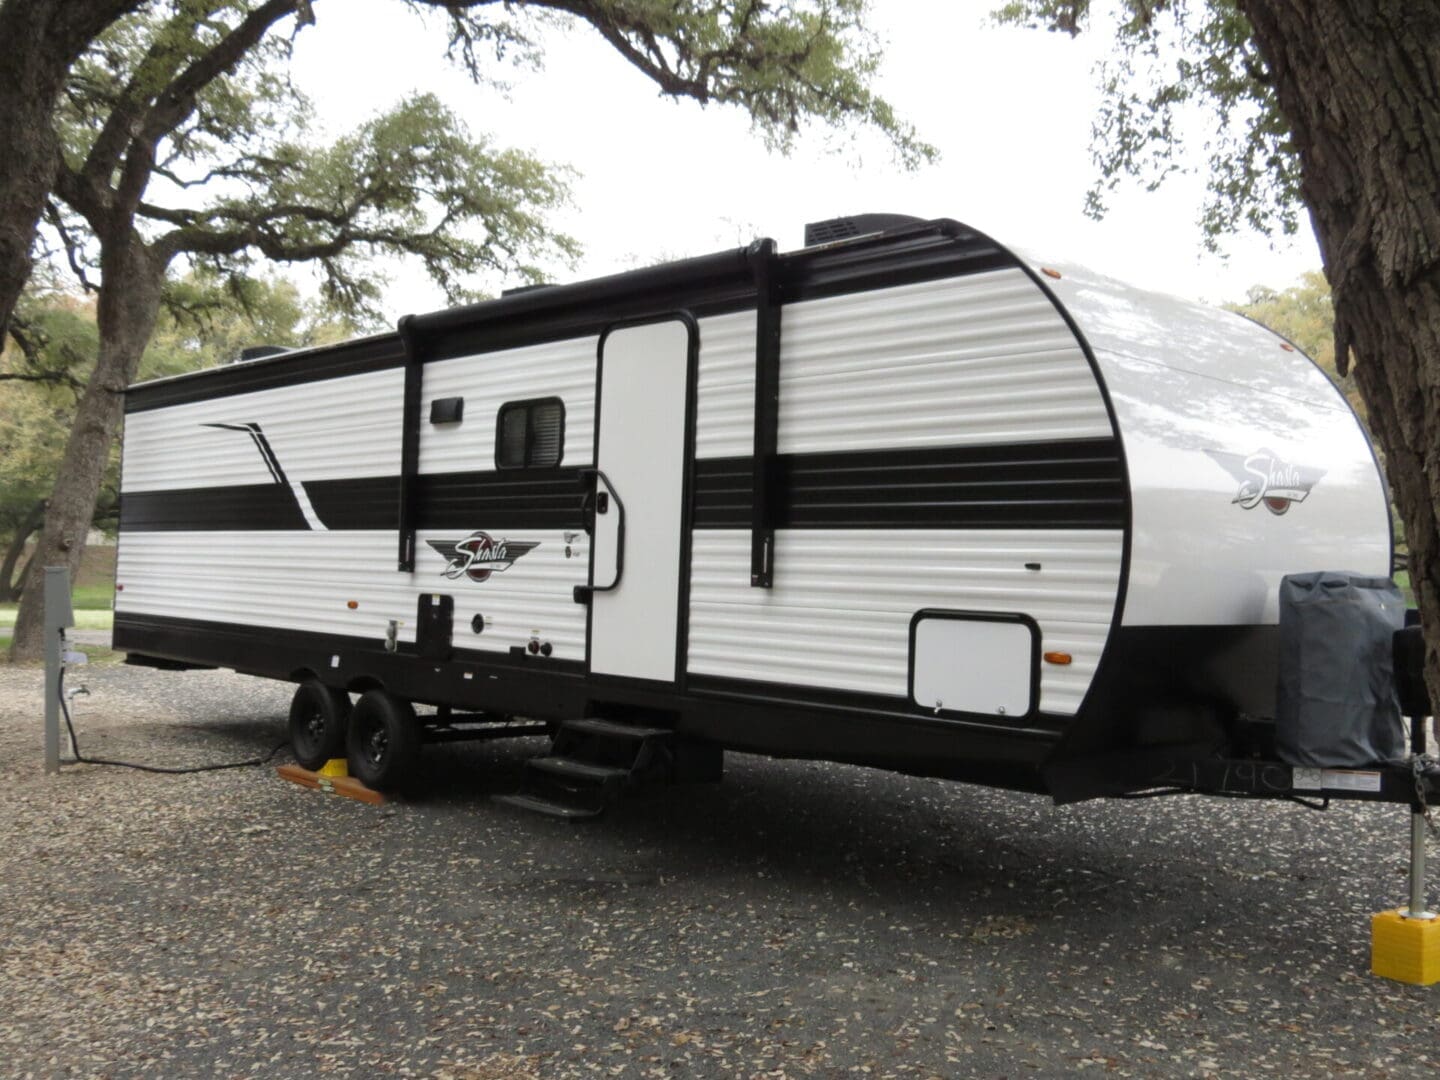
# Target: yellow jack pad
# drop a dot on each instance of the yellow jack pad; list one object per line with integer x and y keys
{"x": 334, "y": 767}
{"x": 1406, "y": 950}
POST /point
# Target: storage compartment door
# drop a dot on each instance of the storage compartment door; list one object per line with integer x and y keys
{"x": 974, "y": 662}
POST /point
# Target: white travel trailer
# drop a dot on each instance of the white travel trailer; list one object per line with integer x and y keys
{"x": 903, "y": 497}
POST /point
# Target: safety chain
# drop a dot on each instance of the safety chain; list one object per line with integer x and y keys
{"x": 1420, "y": 764}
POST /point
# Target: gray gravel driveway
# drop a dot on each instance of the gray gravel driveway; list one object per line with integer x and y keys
{"x": 799, "y": 919}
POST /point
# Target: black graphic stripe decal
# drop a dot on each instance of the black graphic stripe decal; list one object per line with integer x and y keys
{"x": 242, "y": 508}
{"x": 272, "y": 463}
{"x": 1077, "y": 484}
{"x": 498, "y": 501}
{"x": 262, "y": 444}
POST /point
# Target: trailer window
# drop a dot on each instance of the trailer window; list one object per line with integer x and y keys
{"x": 530, "y": 434}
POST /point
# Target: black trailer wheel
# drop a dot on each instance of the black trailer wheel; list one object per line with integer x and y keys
{"x": 318, "y": 717}
{"x": 384, "y": 740}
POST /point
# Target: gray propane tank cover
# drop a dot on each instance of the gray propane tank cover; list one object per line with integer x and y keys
{"x": 1336, "y": 704}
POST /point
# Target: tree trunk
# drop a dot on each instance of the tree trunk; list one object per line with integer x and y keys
{"x": 9, "y": 587}
{"x": 41, "y": 39}
{"x": 1359, "y": 82}
{"x": 129, "y": 305}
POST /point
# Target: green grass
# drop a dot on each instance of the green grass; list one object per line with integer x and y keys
{"x": 93, "y": 598}
{"x": 85, "y": 618}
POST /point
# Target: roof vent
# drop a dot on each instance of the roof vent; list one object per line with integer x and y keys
{"x": 848, "y": 228}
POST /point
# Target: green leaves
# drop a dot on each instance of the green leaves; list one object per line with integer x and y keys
{"x": 182, "y": 131}
{"x": 789, "y": 65}
{"x": 412, "y": 180}
{"x": 1182, "y": 69}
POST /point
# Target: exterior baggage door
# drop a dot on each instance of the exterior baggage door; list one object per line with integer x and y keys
{"x": 637, "y": 497}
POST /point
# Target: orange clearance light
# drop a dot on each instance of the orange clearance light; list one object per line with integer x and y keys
{"x": 352, "y": 604}
{"x": 1287, "y": 346}
{"x": 1057, "y": 658}
{"x": 1050, "y": 272}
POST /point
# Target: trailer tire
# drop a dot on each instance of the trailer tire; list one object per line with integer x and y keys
{"x": 383, "y": 742}
{"x": 319, "y": 715}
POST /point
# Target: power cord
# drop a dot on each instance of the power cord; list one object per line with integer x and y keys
{"x": 172, "y": 770}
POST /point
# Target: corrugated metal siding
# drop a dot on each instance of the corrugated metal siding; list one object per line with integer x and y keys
{"x": 563, "y": 369}
{"x": 725, "y": 408}
{"x": 338, "y": 428}
{"x": 959, "y": 361}
{"x": 350, "y": 428}
{"x": 839, "y": 614}
{"x": 303, "y": 580}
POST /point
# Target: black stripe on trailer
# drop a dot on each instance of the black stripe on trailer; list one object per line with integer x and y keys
{"x": 501, "y": 500}
{"x": 1073, "y": 484}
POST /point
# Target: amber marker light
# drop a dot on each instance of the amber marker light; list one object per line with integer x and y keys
{"x": 1050, "y": 272}
{"x": 1287, "y": 346}
{"x": 1057, "y": 658}
{"x": 352, "y": 604}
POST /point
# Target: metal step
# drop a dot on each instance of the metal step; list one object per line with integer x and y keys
{"x": 548, "y": 807}
{"x": 575, "y": 769}
{"x": 595, "y": 725}
{"x": 591, "y": 762}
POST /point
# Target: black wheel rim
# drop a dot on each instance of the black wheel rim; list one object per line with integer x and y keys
{"x": 310, "y": 732}
{"x": 375, "y": 743}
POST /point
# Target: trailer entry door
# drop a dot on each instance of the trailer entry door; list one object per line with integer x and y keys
{"x": 638, "y": 510}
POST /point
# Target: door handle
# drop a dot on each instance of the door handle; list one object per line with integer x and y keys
{"x": 598, "y": 502}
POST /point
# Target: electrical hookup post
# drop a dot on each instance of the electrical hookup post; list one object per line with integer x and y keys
{"x": 58, "y": 618}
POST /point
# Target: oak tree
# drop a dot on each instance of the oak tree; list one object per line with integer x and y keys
{"x": 40, "y": 40}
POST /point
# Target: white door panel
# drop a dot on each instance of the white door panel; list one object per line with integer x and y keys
{"x": 644, "y": 386}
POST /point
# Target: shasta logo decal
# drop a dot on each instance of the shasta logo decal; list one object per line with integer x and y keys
{"x": 479, "y": 555}
{"x": 1266, "y": 478}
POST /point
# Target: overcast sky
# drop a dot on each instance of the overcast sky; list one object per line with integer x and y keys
{"x": 1009, "y": 110}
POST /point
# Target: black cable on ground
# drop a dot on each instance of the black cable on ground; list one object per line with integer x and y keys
{"x": 168, "y": 769}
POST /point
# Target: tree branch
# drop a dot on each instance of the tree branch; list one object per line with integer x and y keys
{"x": 178, "y": 99}
{"x": 49, "y": 378}
{"x": 156, "y": 65}
{"x": 30, "y": 343}
{"x": 72, "y": 246}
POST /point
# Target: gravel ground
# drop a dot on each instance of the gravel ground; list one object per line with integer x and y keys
{"x": 799, "y": 919}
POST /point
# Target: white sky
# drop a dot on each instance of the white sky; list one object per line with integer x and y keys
{"x": 1009, "y": 110}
